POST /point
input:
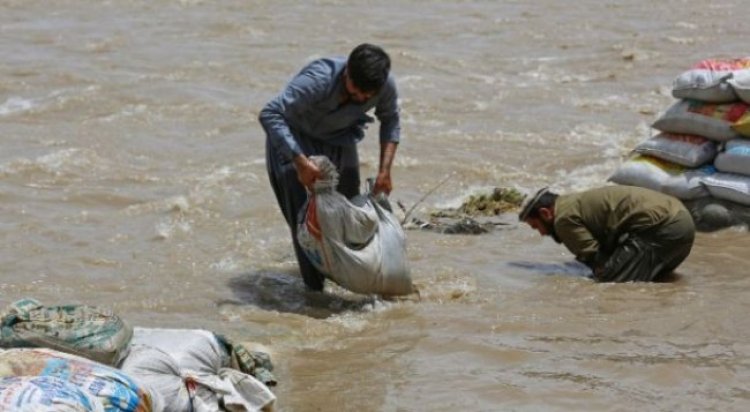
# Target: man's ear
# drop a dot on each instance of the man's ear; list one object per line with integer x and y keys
{"x": 546, "y": 213}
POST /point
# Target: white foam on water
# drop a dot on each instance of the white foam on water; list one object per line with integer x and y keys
{"x": 586, "y": 177}
{"x": 127, "y": 111}
{"x": 178, "y": 204}
{"x": 166, "y": 229}
{"x": 446, "y": 287}
{"x": 16, "y": 105}
{"x": 227, "y": 265}
{"x": 70, "y": 162}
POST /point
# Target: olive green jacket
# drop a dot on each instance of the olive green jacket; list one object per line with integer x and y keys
{"x": 593, "y": 221}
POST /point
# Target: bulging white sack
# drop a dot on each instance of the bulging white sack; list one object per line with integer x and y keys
{"x": 662, "y": 176}
{"x": 358, "y": 243}
{"x": 682, "y": 149}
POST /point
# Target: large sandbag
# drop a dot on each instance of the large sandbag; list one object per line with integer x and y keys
{"x": 711, "y": 213}
{"x": 709, "y": 80}
{"x": 162, "y": 374}
{"x": 88, "y": 331}
{"x": 682, "y": 149}
{"x": 713, "y": 121}
{"x": 728, "y": 186}
{"x": 116, "y": 391}
{"x": 190, "y": 370}
{"x": 662, "y": 176}
{"x": 740, "y": 82}
{"x": 358, "y": 243}
{"x": 742, "y": 125}
{"x": 44, "y": 394}
{"x": 735, "y": 158}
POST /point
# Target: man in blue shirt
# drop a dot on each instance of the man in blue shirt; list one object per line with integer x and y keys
{"x": 323, "y": 111}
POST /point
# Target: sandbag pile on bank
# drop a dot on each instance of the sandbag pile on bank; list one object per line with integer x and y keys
{"x": 700, "y": 152}
{"x": 83, "y": 358}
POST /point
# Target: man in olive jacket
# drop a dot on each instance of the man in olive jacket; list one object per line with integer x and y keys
{"x": 622, "y": 233}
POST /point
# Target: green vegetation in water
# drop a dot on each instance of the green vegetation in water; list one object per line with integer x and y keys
{"x": 500, "y": 200}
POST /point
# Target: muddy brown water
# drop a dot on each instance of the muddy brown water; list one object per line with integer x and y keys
{"x": 132, "y": 176}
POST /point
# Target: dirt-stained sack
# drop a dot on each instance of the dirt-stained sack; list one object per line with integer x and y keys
{"x": 190, "y": 370}
{"x": 663, "y": 176}
{"x": 712, "y": 121}
{"x": 710, "y": 80}
{"x": 44, "y": 393}
{"x": 740, "y": 83}
{"x": 735, "y": 158}
{"x": 358, "y": 243}
{"x": 729, "y": 186}
{"x": 682, "y": 149}
{"x": 115, "y": 390}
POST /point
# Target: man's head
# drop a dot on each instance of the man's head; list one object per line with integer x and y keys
{"x": 539, "y": 213}
{"x": 366, "y": 71}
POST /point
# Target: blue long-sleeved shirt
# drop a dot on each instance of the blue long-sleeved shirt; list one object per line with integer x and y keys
{"x": 310, "y": 106}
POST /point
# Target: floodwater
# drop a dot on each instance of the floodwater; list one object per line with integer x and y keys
{"x": 132, "y": 176}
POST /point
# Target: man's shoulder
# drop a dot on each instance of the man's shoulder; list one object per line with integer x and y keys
{"x": 324, "y": 67}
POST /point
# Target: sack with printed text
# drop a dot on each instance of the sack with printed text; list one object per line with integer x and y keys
{"x": 115, "y": 390}
{"x": 45, "y": 393}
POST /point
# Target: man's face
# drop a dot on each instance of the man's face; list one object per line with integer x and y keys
{"x": 355, "y": 94}
{"x": 544, "y": 224}
{"x": 539, "y": 225}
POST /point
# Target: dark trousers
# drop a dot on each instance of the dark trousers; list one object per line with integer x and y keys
{"x": 650, "y": 255}
{"x": 292, "y": 196}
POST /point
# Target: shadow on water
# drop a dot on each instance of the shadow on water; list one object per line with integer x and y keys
{"x": 573, "y": 268}
{"x": 284, "y": 292}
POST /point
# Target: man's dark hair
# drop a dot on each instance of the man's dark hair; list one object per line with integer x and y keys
{"x": 368, "y": 67}
{"x": 544, "y": 198}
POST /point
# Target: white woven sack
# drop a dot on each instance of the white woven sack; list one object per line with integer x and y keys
{"x": 705, "y": 85}
{"x": 740, "y": 83}
{"x": 735, "y": 158}
{"x": 187, "y": 367}
{"x": 727, "y": 186}
{"x": 685, "y": 150}
{"x": 359, "y": 244}
{"x": 687, "y": 117}
{"x": 661, "y": 176}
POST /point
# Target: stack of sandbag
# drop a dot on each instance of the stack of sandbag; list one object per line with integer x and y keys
{"x": 65, "y": 358}
{"x": 61, "y": 358}
{"x": 40, "y": 379}
{"x": 701, "y": 150}
{"x": 358, "y": 242}
{"x": 196, "y": 370}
